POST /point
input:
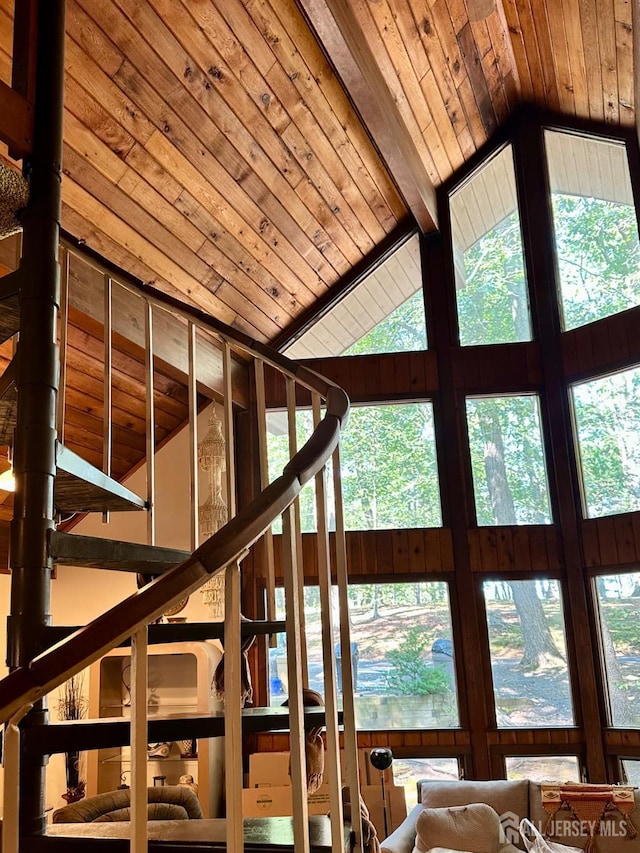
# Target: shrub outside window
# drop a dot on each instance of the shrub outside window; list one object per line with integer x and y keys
{"x": 402, "y": 655}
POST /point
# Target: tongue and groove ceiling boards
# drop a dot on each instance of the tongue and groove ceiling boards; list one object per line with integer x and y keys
{"x": 245, "y": 155}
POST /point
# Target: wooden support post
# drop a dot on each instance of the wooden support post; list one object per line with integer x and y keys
{"x": 107, "y": 428}
{"x": 299, "y": 567}
{"x": 332, "y": 760}
{"x": 292, "y": 582}
{"x": 151, "y": 443}
{"x": 64, "y": 328}
{"x": 193, "y": 433}
{"x": 348, "y": 704}
{"x": 264, "y": 482}
{"x": 11, "y": 761}
{"x": 233, "y": 710}
{"x": 139, "y": 760}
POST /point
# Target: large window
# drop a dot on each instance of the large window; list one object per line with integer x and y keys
{"x": 507, "y": 459}
{"x": 383, "y": 313}
{"x": 389, "y": 468}
{"x": 528, "y": 653}
{"x": 491, "y": 289}
{"x": 409, "y": 771}
{"x": 596, "y": 231}
{"x": 607, "y": 414}
{"x": 619, "y": 607}
{"x": 404, "y": 330}
{"x": 543, "y": 768}
{"x": 278, "y": 455}
{"x": 402, "y": 655}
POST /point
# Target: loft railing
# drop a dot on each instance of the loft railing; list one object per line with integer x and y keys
{"x": 221, "y": 553}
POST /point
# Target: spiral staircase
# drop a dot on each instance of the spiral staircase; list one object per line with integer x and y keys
{"x": 53, "y": 480}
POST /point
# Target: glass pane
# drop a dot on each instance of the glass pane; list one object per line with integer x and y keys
{"x": 543, "y": 768}
{"x": 528, "y": 653}
{"x": 507, "y": 460}
{"x": 607, "y": 413}
{"x": 404, "y": 330}
{"x": 619, "y": 600}
{"x": 491, "y": 288}
{"x": 278, "y": 456}
{"x": 631, "y": 770}
{"x": 596, "y": 231}
{"x": 383, "y": 313}
{"x": 401, "y": 654}
{"x": 408, "y": 772}
{"x": 389, "y": 468}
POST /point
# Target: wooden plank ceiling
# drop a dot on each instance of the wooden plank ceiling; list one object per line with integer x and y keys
{"x": 245, "y": 155}
{"x": 211, "y": 148}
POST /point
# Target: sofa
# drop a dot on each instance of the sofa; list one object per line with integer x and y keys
{"x": 512, "y": 800}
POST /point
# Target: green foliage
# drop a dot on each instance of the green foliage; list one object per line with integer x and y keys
{"x": 624, "y": 625}
{"x": 493, "y": 305}
{"x": 608, "y": 425}
{"x": 410, "y": 674}
{"x": 389, "y": 468}
{"x": 404, "y": 330}
{"x": 512, "y": 423}
{"x": 598, "y": 257}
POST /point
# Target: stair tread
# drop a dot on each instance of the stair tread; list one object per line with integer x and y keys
{"x": 177, "y": 632}
{"x": 56, "y": 737}
{"x": 95, "y": 552}
{"x": 81, "y": 487}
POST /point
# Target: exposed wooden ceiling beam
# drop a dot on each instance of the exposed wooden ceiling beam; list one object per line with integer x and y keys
{"x": 344, "y": 43}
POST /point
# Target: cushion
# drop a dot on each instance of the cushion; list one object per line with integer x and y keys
{"x": 474, "y": 829}
{"x": 155, "y": 811}
{"x": 509, "y": 798}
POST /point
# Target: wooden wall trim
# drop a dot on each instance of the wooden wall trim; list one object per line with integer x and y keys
{"x": 537, "y": 231}
{"x": 16, "y": 128}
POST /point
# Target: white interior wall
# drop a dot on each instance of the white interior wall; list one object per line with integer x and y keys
{"x": 79, "y": 595}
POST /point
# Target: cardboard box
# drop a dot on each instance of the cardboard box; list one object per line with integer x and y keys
{"x": 272, "y": 769}
{"x": 276, "y": 801}
{"x": 269, "y": 769}
{"x": 396, "y": 807}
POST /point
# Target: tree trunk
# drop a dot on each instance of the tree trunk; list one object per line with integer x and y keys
{"x": 538, "y": 643}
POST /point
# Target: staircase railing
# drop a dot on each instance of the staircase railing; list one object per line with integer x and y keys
{"x": 222, "y": 552}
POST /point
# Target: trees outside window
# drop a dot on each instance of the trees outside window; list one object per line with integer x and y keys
{"x": 619, "y": 609}
{"x": 595, "y": 224}
{"x": 389, "y": 468}
{"x": 507, "y": 460}
{"x": 528, "y": 653}
{"x": 607, "y": 417}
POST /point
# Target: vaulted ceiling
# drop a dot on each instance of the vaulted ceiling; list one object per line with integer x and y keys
{"x": 245, "y": 155}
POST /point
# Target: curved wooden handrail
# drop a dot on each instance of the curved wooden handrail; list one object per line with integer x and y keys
{"x": 54, "y": 666}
